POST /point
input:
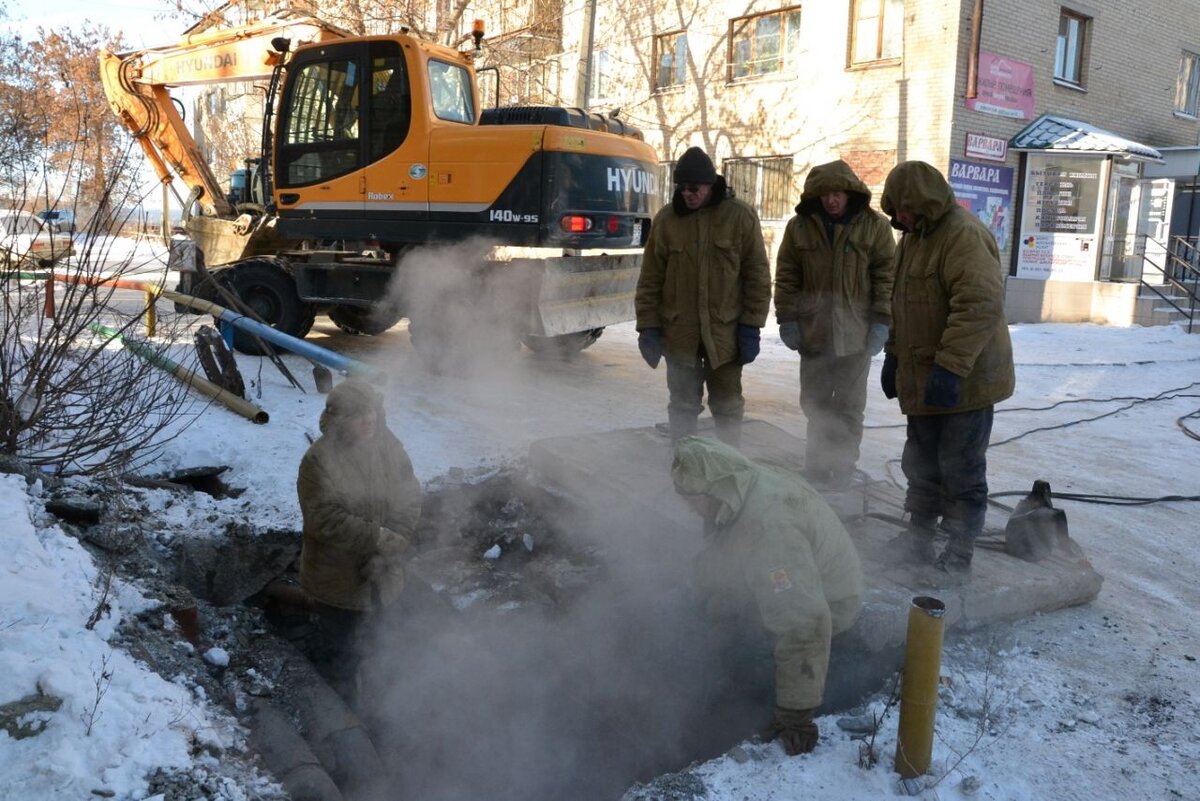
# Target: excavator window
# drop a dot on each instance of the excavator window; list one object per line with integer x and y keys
{"x": 390, "y": 112}
{"x": 321, "y": 121}
{"x": 450, "y": 88}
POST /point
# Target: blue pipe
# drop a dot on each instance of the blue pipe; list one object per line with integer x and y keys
{"x": 334, "y": 361}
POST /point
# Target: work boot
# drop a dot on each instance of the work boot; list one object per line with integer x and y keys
{"x": 955, "y": 561}
{"x": 915, "y": 543}
{"x": 728, "y": 429}
{"x": 681, "y": 425}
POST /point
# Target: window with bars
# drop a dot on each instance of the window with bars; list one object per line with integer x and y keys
{"x": 1187, "y": 87}
{"x": 1069, "y": 51}
{"x": 764, "y": 44}
{"x": 876, "y": 30}
{"x": 670, "y": 58}
{"x": 765, "y": 183}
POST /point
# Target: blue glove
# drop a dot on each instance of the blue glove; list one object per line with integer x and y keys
{"x": 876, "y": 338}
{"x": 789, "y": 333}
{"x": 887, "y": 376}
{"x": 748, "y": 343}
{"x": 942, "y": 388}
{"x": 650, "y": 343}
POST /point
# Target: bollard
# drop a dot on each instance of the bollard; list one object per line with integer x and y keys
{"x": 919, "y": 687}
{"x": 151, "y": 312}
{"x": 49, "y": 311}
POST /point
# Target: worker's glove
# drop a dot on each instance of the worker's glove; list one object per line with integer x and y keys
{"x": 789, "y": 333}
{"x": 748, "y": 343}
{"x": 795, "y": 730}
{"x": 887, "y": 376}
{"x": 942, "y": 389}
{"x": 876, "y": 338}
{"x": 650, "y": 343}
{"x": 393, "y": 544}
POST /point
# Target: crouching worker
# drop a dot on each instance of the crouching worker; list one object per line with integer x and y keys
{"x": 361, "y": 503}
{"x": 776, "y": 560}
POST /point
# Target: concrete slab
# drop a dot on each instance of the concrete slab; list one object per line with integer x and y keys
{"x": 624, "y": 476}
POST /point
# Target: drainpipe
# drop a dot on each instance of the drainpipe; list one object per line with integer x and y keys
{"x": 918, "y": 689}
{"x": 973, "y": 57}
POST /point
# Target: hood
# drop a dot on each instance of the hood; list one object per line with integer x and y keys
{"x": 349, "y": 399}
{"x": 836, "y": 176}
{"x": 918, "y": 188}
{"x": 720, "y": 191}
{"x": 708, "y": 467}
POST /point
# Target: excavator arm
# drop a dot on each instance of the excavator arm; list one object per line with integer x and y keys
{"x": 137, "y": 84}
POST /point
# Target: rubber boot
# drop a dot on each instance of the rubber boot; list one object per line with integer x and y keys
{"x": 915, "y": 544}
{"x": 728, "y": 429}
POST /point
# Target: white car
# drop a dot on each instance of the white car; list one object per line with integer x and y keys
{"x": 26, "y": 240}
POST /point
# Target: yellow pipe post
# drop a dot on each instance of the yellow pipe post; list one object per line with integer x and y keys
{"x": 919, "y": 687}
{"x": 151, "y": 312}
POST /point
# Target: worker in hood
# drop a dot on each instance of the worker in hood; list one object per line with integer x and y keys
{"x": 361, "y": 504}
{"x": 949, "y": 361}
{"x": 833, "y": 300}
{"x": 702, "y": 297}
{"x": 776, "y": 559}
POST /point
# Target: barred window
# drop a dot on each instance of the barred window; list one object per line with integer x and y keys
{"x": 765, "y": 183}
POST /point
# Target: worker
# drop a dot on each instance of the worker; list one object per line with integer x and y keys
{"x": 833, "y": 300}
{"x": 702, "y": 297}
{"x": 361, "y": 504}
{"x": 776, "y": 560}
{"x": 949, "y": 360}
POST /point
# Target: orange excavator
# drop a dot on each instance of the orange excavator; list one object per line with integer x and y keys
{"x": 374, "y": 148}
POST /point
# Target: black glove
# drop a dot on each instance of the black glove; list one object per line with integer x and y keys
{"x": 650, "y": 343}
{"x": 748, "y": 343}
{"x": 942, "y": 388}
{"x": 795, "y": 730}
{"x": 789, "y": 334}
{"x": 887, "y": 376}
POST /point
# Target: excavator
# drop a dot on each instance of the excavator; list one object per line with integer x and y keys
{"x": 374, "y": 150}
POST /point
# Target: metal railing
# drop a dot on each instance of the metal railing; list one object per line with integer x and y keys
{"x": 1181, "y": 272}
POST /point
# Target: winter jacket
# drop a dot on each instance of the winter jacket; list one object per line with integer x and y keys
{"x": 948, "y": 301}
{"x": 704, "y": 272}
{"x": 361, "y": 503}
{"x": 775, "y": 547}
{"x": 835, "y": 290}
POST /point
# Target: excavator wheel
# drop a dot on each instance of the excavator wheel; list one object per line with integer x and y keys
{"x": 268, "y": 289}
{"x": 364, "y": 321}
{"x": 564, "y": 345}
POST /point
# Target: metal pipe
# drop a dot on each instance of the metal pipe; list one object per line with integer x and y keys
{"x": 918, "y": 689}
{"x": 188, "y": 377}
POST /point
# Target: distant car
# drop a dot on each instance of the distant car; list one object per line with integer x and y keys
{"x": 63, "y": 218}
{"x": 27, "y": 241}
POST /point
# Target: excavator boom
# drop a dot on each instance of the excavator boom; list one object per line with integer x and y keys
{"x": 137, "y": 84}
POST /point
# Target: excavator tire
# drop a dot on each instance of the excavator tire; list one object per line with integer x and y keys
{"x": 364, "y": 321}
{"x": 562, "y": 346}
{"x": 267, "y": 288}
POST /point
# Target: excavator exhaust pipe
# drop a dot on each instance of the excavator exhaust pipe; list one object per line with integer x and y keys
{"x": 918, "y": 689}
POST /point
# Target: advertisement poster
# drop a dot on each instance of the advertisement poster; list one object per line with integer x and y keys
{"x": 1005, "y": 87}
{"x": 1060, "y": 220}
{"x": 985, "y": 191}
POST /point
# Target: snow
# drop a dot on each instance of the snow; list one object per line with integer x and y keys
{"x": 1093, "y": 702}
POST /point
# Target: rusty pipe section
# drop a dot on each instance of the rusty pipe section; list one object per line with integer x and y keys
{"x": 918, "y": 689}
{"x": 187, "y": 377}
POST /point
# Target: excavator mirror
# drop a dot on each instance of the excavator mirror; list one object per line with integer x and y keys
{"x": 281, "y": 43}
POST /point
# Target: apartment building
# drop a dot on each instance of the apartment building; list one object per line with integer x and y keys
{"x": 1070, "y": 128}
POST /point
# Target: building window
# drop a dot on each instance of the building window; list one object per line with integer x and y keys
{"x": 765, "y": 183}
{"x": 1187, "y": 88}
{"x": 670, "y": 56}
{"x": 764, "y": 44}
{"x": 876, "y": 30}
{"x": 1068, "y": 55}
{"x": 601, "y": 75}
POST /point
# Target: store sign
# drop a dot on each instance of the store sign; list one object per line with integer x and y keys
{"x": 1004, "y": 87}
{"x": 1060, "y": 219}
{"x": 987, "y": 148}
{"x": 986, "y": 192}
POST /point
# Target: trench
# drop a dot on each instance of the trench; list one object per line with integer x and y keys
{"x": 535, "y": 657}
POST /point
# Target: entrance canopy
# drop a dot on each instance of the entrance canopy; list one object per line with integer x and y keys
{"x": 1062, "y": 135}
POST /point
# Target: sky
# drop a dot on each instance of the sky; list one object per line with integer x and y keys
{"x": 138, "y": 20}
{"x": 1093, "y": 702}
